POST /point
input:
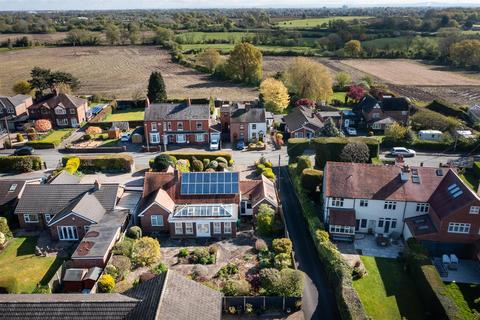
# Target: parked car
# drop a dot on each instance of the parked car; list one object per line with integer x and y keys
{"x": 240, "y": 145}
{"x": 24, "y": 151}
{"x": 124, "y": 137}
{"x": 351, "y": 131}
{"x": 214, "y": 145}
{"x": 401, "y": 151}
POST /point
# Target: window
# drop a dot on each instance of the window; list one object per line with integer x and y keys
{"x": 376, "y": 115}
{"x": 154, "y": 137}
{"x": 11, "y": 111}
{"x": 474, "y": 210}
{"x": 404, "y": 113}
{"x": 380, "y": 222}
{"x": 455, "y": 227}
{"x": 67, "y": 233}
{"x": 390, "y": 205}
{"x": 169, "y": 126}
{"x": 217, "y": 227}
{"x": 74, "y": 122}
{"x": 342, "y": 229}
{"x": 86, "y": 228}
{"x": 423, "y": 207}
{"x": 394, "y": 223}
{"x": 376, "y": 126}
{"x": 48, "y": 217}
{"x": 189, "y": 227}
{"x": 13, "y": 187}
{"x": 30, "y": 218}
{"x": 178, "y": 228}
{"x": 363, "y": 223}
{"x": 180, "y": 138}
{"x": 156, "y": 220}
{"x": 154, "y": 126}
{"x": 298, "y": 134}
{"x": 45, "y": 111}
{"x": 60, "y": 110}
{"x": 254, "y": 126}
{"x": 199, "y": 126}
{"x": 227, "y": 227}
{"x": 72, "y": 111}
{"x": 242, "y": 127}
{"x": 199, "y": 137}
{"x": 337, "y": 202}
{"x": 62, "y": 122}
{"x": 180, "y": 126}
{"x": 363, "y": 203}
{"x": 241, "y": 135}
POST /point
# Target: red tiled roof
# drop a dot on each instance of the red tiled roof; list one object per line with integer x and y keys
{"x": 342, "y": 217}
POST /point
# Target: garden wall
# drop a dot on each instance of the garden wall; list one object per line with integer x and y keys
{"x": 261, "y": 303}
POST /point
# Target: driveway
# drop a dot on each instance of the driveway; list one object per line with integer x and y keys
{"x": 318, "y": 297}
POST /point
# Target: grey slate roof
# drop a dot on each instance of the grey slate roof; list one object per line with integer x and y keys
{"x": 149, "y": 293}
{"x": 6, "y": 185}
{"x": 249, "y": 115}
{"x": 303, "y": 116}
{"x": 18, "y": 99}
{"x": 182, "y": 111}
{"x": 86, "y": 206}
{"x": 65, "y": 178}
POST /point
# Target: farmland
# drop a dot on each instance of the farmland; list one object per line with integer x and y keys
{"x": 227, "y": 47}
{"x": 314, "y": 22}
{"x": 117, "y": 71}
{"x": 200, "y": 37}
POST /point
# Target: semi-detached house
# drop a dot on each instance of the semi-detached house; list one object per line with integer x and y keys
{"x": 63, "y": 110}
{"x": 430, "y": 204}
{"x": 244, "y": 121}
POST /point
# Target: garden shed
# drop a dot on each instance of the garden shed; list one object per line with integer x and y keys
{"x": 430, "y": 135}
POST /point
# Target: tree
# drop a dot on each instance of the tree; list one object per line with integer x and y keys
{"x": 245, "y": 64}
{"x": 466, "y": 53}
{"x": 133, "y": 33}
{"x": 43, "y": 125}
{"x": 162, "y": 35}
{"x": 286, "y": 283}
{"x": 356, "y": 93}
{"x": 305, "y": 102}
{"x": 396, "y": 132}
{"x": 156, "y": 88}
{"x": 303, "y": 162}
{"x": 353, "y": 48}
{"x": 209, "y": 58}
{"x": 355, "y": 152}
{"x": 43, "y": 79}
{"x": 4, "y": 228}
{"x": 309, "y": 79}
{"x": 343, "y": 79}
{"x": 146, "y": 251}
{"x": 22, "y": 87}
{"x": 162, "y": 162}
{"x": 106, "y": 283}
{"x": 112, "y": 33}
{"x": 274, "y": 95}
{"x": 265, "y": 219}
{"x": 330, "y": 129}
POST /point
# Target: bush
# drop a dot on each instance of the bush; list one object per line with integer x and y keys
{"x": 182, "y": 253}
{"x": 265, "y": 220}
{"x": 260, "y": 168}
{"x": 282, "y": 261}
{"x": 72, "y": 165}
{"x": 426, "y": 119}
{"x": 447, "y": 109}
{"x": 106, "y": 283}
{"x": 134, "y": 232}
{"x": 303, "y": 163}
{"x": 268, "y": 173}
{"x": 183, "y": 165}
{"x": 146, "y": 251}
{"x": 159, "y": 269}
{"x": 122, "y": 264}
{"x": 88, "y": 137}
{"x": 268, "y": 164}
{"x": 162, "y": 162}
{"x": 7, "y": 144}
{"x": 43, "y": 125}
{"x": 119, "y": 163}
{"x": 93, "y": 130}
{"x": 124, "y": 247}
{"x": 221, "y": 160}
{"x": 286, "y": 283}
{"x": 261, "y": 245}
{"x": 112, "y": 271}
{"x": 311, "y": 179}
{"x": 206, "y": 162}
{"x": 5, "y": 229}
{"x": 282, "y": 245}
{"x": 20, "y": 137}
{"x": 213, "y": 165}
{"x": 42, "y": 289}
{"x": 20, "y": 164}
{"x": 197, "y": 165}
{"x": 356, "y": 152}
{"x": 227, "y": 270}
{"x": 236, "y": 288}
{"x": 3, "y": 239}
{"x": 296, "y": 147}
{"x": 202, "y": 256}
{"x": 201, "y": 155}
{"x": 32, "y": 136}
{"x": 199, "y": 272}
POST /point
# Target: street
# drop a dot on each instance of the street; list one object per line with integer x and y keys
{"x": 430, "y": 159}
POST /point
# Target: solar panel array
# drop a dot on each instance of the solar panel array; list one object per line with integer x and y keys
{"x": 195, "y": 183}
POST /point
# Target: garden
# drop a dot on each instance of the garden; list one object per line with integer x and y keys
{"x": 42, "y": 136}
{"x": 196, "y": 161}
{"x": 125, "y": 115}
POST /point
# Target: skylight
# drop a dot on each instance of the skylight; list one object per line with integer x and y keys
{"x": 13, "y": 187}
{"x": 455, "y": 191}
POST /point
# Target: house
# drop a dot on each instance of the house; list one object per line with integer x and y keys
{"x": 168, "y": 296}
{"x": 380, "y": 114}
{"x": 10, "y": 192}
{"x": 243, "y": 121}
{"x": 432, "y": 205}
{"x": 183, "y": 123}
{"x": 15, "y": 110}
{"x": 430, "y": 135}
{"x": 63, "y": 110}
{"x": 303, "y": 122}
{"x": 200, "y": 204}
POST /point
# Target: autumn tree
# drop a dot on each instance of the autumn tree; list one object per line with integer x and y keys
{"x": 356, "y": 93}
{"x": 22, "y": 87}
{"x": 162, "y": 35}
{"x": 156, "y": 88}
{"x": 343, "y": 79}
{"x": 309, "y": 79}
{"x": 209, "y": 58}
{"x": 112, "y": 33}
{"x": 305, "y": 102}
{"x": 274, "y": 95}
{"x": 146, "y": 251}
{"x": 466, "y": 53}
{"x": 353, "y": 48}
{"x": 245, "y": 64}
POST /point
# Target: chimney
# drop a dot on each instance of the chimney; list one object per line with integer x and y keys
{"x": 147, "y": 103}
{"x": 97, "y": 185}
{"x": 405, "y": 173}
{"x": 189, "y": 102}
{"x": 399, "y": 160}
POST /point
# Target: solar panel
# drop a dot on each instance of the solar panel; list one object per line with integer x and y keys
{"x": 199, "y": 183}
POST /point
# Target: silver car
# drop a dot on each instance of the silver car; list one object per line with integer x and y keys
{"x": 401, "y": 151}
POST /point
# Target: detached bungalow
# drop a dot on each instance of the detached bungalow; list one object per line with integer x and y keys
{"x": 303, "y": 122}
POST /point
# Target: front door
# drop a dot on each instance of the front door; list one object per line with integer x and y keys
{"x": 387, "y": 226}
{"x": 357, "y": 224}
{"x": 203, "y": 229}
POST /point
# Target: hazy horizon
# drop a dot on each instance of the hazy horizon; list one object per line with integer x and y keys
{"x": 37, "y": 5}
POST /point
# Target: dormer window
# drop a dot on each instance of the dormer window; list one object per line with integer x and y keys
{"x": 60, "y": 110}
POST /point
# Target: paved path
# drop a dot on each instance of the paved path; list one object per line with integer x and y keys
{"x": 318, "y": 298}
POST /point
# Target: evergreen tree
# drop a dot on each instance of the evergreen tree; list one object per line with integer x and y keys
{"x": 156, "y": 88}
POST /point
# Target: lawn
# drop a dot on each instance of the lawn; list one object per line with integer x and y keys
{"x": 464, "y": 296}
{"x": 125, "y": 115}
{"x": 387, "y": 292}
{"x": 314, "y": 22}
{"x": 470, "y": 180}
{"x": 21, "y": 270}
{"x": 56, "y": 136}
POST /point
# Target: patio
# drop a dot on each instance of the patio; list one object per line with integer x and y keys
{"x": 468, "y": 271}
{"x": 366, "y": 245}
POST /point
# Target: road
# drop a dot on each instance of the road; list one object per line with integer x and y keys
{"x": 318, "y": 298}
{"x": 430, "y": 159}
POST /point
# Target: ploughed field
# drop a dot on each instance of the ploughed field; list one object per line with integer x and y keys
{"x": 117, "y": 72}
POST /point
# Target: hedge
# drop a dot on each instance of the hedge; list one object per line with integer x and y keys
{"x": 296, "y": 147}
{"x": 311, "y": 179}
{"x": 38, "y": 144}
{"x": 329, "y": 149}
{"x": 431, "y": 287}
{"x": 447, "y": 109}
{"x": 20, "y": 164}
{"x": 476, "y": 169}
{"x": 339, "y": 273}
{"x": 463, "y": 144}
{"x": 200, "y": 155}
{"x": 107, "y": 163}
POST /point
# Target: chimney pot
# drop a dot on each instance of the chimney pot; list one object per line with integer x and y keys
{"x": 97, "y": 184}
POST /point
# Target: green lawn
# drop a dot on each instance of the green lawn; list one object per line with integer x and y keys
{"x": 470, "y": 180}
{"x": 56, "y": 136}
{"x": 464, "y": 296}
{"x": 21, "y": 270}
{"x": 125, "y": 115}
{"x": 387, "y": 292}
{"x": 340, "y": 96}
{"x": 314, "y": 22}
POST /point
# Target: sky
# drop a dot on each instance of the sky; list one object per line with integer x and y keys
{"x": 173, "y": 4}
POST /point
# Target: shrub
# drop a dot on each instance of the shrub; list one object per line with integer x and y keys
{"x": 268, "y": 164}
{"x": 134, "y": 232}
{"x": 282, "y": 261}
{"x": 146, "y": 251}
{"x": 296, "y": 147}
{"x": 213, "y": 249}
{"x": 231, "y": 162}
{"x": 447, "y": 109}
{"x": 202, "y": 256}
{"x": 159, "y": 269}
{"x": 7, "y": 144}
{"x": 261, "y": 245}
{"x": 112, "y": 271}
{"x": 162, "y": 162}
{"x": 201, "y": 155}
{"x": 303, "y": 163}
{"x": 286, "y": 283}
{"x": 265, "y": 219}
{"x": 236, "y": 288}
{"x": 213, "y": 165}
{"x": 5, "y": 229}
{"x": 221, "y": 166}
{"x": 42, "y": 289}
{"x": 106, "y": 283}
{"x": 105, "y": 163}
{"x": 32, "y": 136}
{"x": 260, "y": 168}
{"x": 197, "y": 165}
{"x": 268, "y": 173}
{"x": 221, "y": 160}
{"x": 182, "y": 253}
{"x": 122, "y": 264}
{"x": 72, "y": 165}
{"x": 206, "y": 162}
{"x": 93, "y": 130}
{"x": 183, "y": 165}
{"x": 311, "y": 179}
{"x": 227, "y": 270}
{"x": 19, "y": 164}
{"x": 88, "y": 137}
{"x": 282, "y": 245}
{"x": 356, "y": 152}
{"x": 43, "y": 125}
{"x": 20, "y": 137}
{"x": 426, "y": 119}
{"x": 199, "y": 272}
{"x": 3, "y": 239}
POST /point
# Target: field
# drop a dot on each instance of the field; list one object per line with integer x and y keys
{"x": 314, "y": 22}
{"x": 227, "y": 47}
{"x": 200, "y": 37}
{"x": 117, "y": 72}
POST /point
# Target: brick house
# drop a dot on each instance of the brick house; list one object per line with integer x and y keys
{"x": 432, "y": 205}
{"x": 380, "y": 114}
{"x": 303, "y": 122}
{"x": 15, "y": 109}
{"x": 63, "y": 110}
{"x": 196, "y": 205}
{"x": 183, "y": 123}
{"x": 243, "y": 121}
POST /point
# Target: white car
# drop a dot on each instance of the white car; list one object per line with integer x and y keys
{"x": 124, "y": 137}
{"x": 214, "y": 145}
{"x": 351, "y": 131}
{"x": 401, "y": 151}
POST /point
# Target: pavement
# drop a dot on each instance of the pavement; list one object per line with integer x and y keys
{"x": 430, "y": 159}
{"x": 318, "y": 297}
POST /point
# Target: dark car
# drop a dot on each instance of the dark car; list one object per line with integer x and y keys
{"x": 240, "y": 145}
{"x": 24, "y": 151}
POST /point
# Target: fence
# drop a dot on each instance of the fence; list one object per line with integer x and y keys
{"x": 286, "y": 304}
{"x": 55, "y": 284}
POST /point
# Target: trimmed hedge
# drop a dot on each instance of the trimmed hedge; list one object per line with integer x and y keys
{"x": 38, "y": 144}
{"x": 448, "y": 109}
{"x": 20, "y": 164}
{"x": 311, "y": 179}
{"x": 329, "y": 149}
{"x": 107, "y": 163}
{"x": 296, "y": 147}
{"x": 431, "y": 287}
{"x": 200, "y": 155}
{"x": 476, "y": 169}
